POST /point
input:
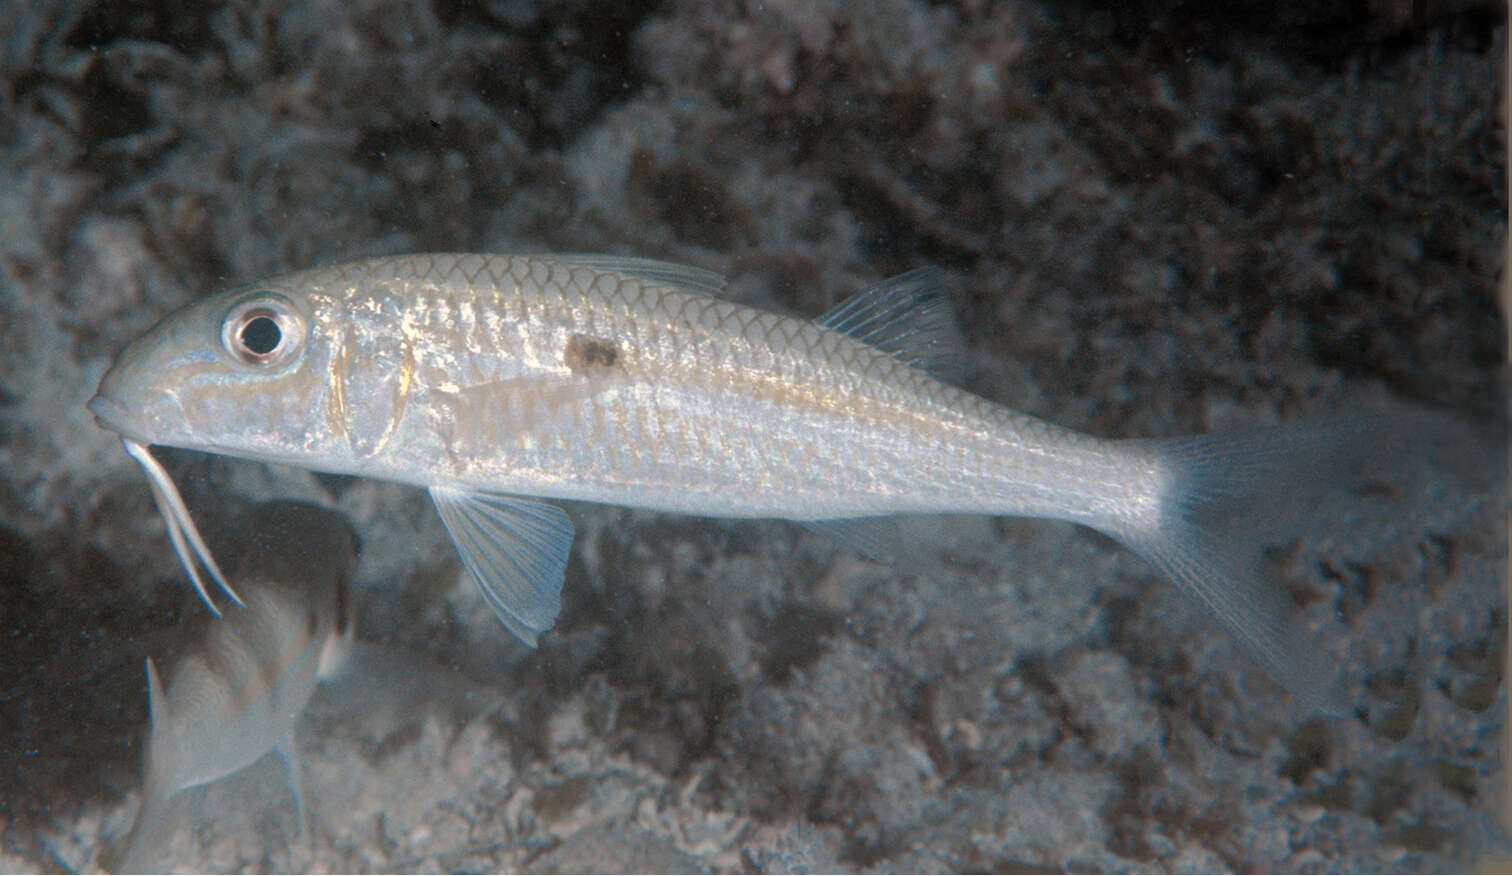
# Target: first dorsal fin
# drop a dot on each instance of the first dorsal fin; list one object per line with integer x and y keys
{"x": 653, "y": 271}
{"x": 907, "y": 317}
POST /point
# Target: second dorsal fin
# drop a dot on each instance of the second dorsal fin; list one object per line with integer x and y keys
{"x": 907, "y": 317}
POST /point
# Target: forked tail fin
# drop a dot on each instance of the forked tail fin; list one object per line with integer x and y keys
{"x": 1229, "y": 496}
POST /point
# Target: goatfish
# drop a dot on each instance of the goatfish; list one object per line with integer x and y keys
{"x": 496, "y": 381}
{"x": 237, "y": 694}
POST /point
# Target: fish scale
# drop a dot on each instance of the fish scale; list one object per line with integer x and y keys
{"x": 716, "y": 372}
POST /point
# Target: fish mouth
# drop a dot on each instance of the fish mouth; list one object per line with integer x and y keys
{"x": 111, "y": 416}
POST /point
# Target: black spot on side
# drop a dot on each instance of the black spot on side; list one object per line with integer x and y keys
{"x": 589, "y": 355}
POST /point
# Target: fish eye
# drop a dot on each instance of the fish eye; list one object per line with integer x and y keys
{"x": 265, "y": 331}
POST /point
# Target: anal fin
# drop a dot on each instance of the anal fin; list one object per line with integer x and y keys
{"x": 875, "y": 538}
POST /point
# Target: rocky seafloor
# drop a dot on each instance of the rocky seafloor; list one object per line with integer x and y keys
{"x": 1159, "y": 220}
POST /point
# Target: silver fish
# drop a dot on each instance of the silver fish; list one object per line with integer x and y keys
{"x": 491, "y": 378}
{"x": 237, "y": 694}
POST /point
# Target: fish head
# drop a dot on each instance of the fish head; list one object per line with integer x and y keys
{"x": 239, "y": 373}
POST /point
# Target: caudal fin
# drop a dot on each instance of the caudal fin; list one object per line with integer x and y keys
{"x": 1230, "y": 496}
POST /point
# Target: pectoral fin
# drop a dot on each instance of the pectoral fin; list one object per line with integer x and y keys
{"x": 516, "y": 551}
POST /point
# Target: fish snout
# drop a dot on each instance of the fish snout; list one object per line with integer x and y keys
{"x": 107, "y": 414}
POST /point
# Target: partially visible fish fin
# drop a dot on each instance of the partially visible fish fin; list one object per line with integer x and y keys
{"x": 1230, "y": 495}
{"x": 152, "y": 829}
{"x": 1205, "y": 563}
{"x": 909, "y": 318}
{"x": 162, "y": 746}
{"x": 875, "y": 538}
{"x": 288, "y": 752}
{"x": 145, "y": 847}
{"x": 185, "y": 536}
{"x": 653, "y": 271}
{"x": 516, "y": 551}
{"x": 157, "y": 701}
{"x": 336, "y": 653}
